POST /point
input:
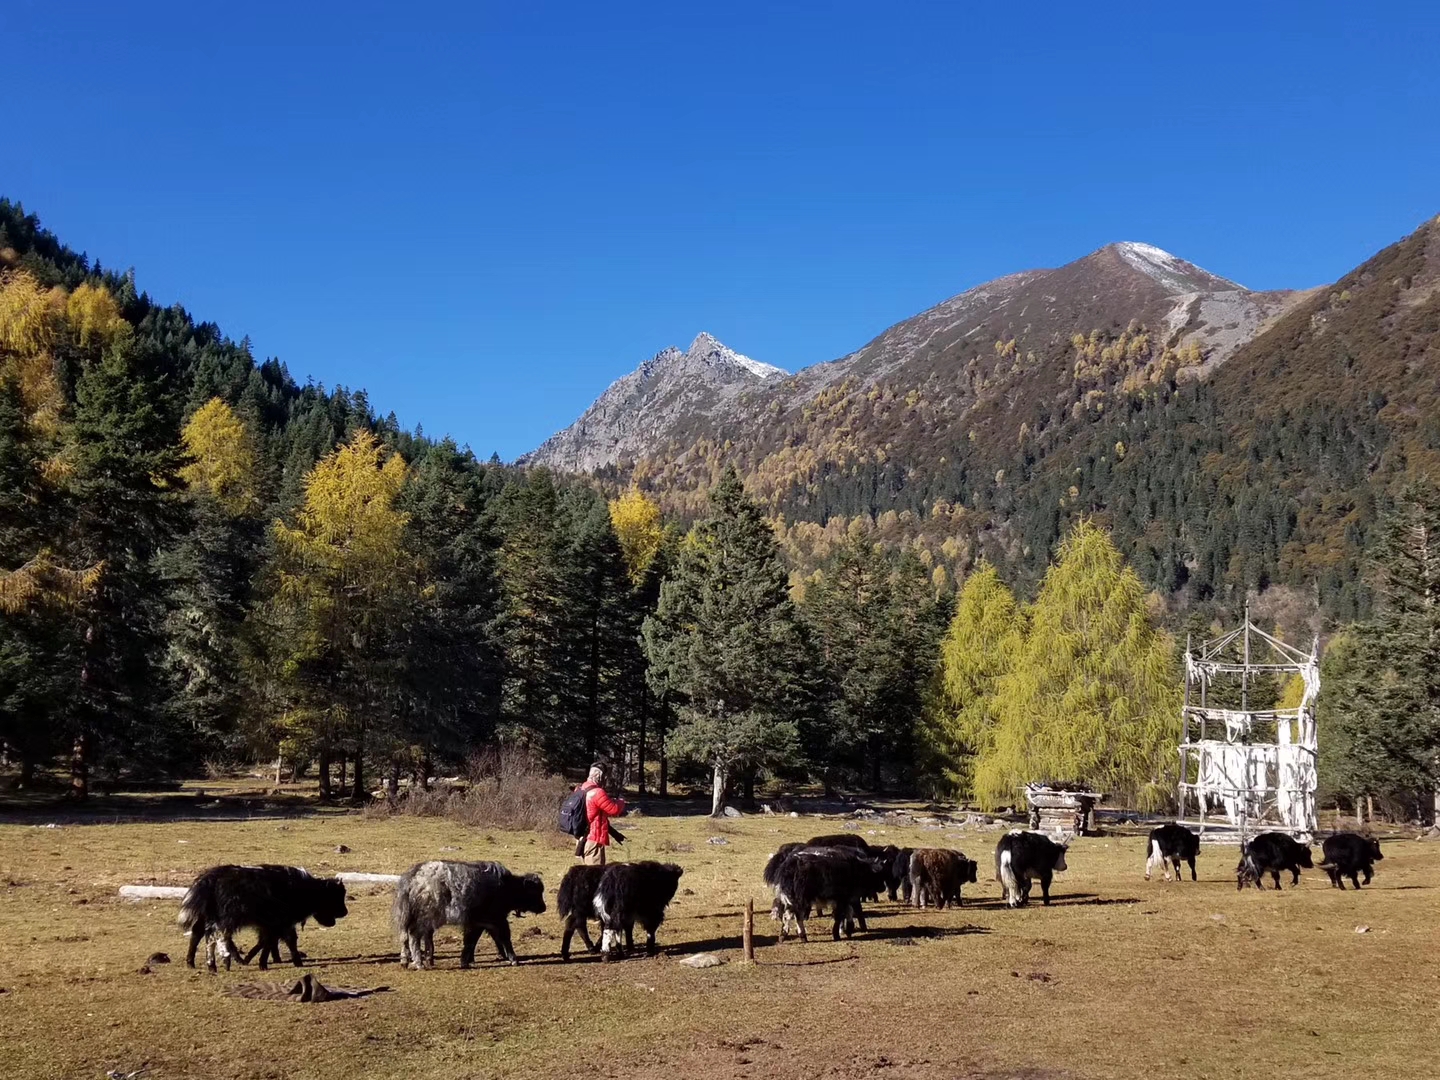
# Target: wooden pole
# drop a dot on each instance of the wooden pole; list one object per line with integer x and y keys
{"x": 749, "y": 935}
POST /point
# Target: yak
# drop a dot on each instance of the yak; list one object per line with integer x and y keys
{"x": 476, "y": 896}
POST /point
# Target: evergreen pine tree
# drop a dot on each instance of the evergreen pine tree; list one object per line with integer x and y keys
{"x": 1379, "y": 710}
{"x": 453, "y": 672}
{"x": 726, "y": 644}
{"x": 123, "y": 445}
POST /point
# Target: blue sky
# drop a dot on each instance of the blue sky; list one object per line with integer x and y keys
{"x": 484, "y": 213}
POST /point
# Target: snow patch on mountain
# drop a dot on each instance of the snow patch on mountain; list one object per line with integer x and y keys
{"x": 714, "y": 351}
{"x": 1169, "y": 270}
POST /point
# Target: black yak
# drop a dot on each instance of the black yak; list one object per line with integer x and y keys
{"x": 1021, "y": 856}
{"x": 477, "y": 897}
{"x": 816, "y": 877}
{"x": 1269, "y": 853}
{"x": 1349, "y": 854}
{"x": 275, "y": 900}
{"x": 632, "y": 892}
{"x": 1169, "y": 844}
{"x": 897, "y": 874}
{"x": 842, "y": 839}
{"x": 576, "y": 905}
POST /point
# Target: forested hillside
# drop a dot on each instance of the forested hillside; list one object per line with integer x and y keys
{"x": 1233, "y": 441}
{"x": 201, "y": 560}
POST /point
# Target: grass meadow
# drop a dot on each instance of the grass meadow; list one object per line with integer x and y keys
{"x": 1119, "y": 978}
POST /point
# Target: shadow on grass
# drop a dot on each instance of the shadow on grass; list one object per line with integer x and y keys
{"x": 161, "y": 808}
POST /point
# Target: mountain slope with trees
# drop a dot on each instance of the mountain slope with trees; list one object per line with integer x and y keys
{"x": 1233, "y": 441}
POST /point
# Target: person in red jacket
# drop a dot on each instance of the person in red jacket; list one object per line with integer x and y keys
{"x": 600, "y": 807}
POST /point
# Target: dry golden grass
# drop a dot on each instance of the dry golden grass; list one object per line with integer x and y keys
{"x": 1119, "y": 978}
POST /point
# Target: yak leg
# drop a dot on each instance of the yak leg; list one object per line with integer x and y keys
{"x": 470, "y": 939}
{"x": 195, "y": 937}
{"x": 503, "y": 945}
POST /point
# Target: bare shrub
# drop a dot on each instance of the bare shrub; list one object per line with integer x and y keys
{"x": 504, "y": 789}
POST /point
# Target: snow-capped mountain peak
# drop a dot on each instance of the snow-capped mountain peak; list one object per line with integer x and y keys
{"x": 1169, "y": 270}
{"x": 712, "y": 350}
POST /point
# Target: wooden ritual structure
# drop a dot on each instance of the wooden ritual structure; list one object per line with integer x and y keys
{"x": 1062, "y": 810}
{"x": 1247, "y": 770}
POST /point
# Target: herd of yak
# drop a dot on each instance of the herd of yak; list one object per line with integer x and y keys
{"x": 837, "y": 873}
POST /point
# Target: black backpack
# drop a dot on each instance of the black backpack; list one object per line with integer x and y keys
{"x": 574, "y": 815}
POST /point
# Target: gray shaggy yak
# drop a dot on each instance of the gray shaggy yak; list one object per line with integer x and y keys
{"x": 275, "y": 900}
{"x": 576, "y": 905}
{"x": 937, "y": 876}
{"x": 476, "y": 897}
{"x": 632, "y": 892}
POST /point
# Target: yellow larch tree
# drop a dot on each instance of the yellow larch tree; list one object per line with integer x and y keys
{"x": 224, "y": 462}
{"x": 635, "y": 518}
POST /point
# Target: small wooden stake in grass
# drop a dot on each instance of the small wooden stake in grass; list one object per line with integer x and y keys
{"x": 749, "y": 936}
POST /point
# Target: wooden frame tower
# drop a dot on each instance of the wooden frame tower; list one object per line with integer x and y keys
{"x": 1247, "y": 770}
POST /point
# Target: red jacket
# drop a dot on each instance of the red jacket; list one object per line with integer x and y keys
{"x": 599, "y": 809}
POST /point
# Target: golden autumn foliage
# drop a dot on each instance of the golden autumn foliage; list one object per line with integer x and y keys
{"x": 31, "y": 315}
{"x": 636, "y": 520}
{"x": 224, "y": 460}
{"x": 94, "y": 316}
{"x": 42, "y": 581}
{"x": 349, "y": 528}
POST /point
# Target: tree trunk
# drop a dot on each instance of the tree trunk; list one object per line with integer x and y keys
{"x": 664, "y": 761}
{"x": 749, "y": 788}
{"x": 322, "y": 766}
{"x": 717, "y": 801}
{"x": 344, "y": 771}
{"x": 358, "y": 794}
{"x": 875, "y": 781}
{"x": 1370, "y": 809}
{"x": 640, "y": 750}
{"x": 279, "y": 767}
{"x": 27, "y": 771}
{"x": 592, "y": 732}
{"x": 80, "y": 768}
{"x": 425, "y": 773}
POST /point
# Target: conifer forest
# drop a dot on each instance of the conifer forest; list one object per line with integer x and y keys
{"x": 206, "y": 564}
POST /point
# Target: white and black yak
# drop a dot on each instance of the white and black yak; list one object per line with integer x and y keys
{"x": 477, "y": 897}
{"x": 1349, "y": 854}
{"x": 1021, "y": 857}
{"x": 1269, "y": 853}
{"x": 274, "y": 900}
{"x": 576, "y": 905}
{"x": 631, "y": 892}
{"x": 1169, "y": 844}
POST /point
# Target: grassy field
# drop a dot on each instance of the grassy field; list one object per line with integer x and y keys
{"x": 1121, "y": 977}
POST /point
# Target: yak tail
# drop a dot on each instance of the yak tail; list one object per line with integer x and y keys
{"x": 194, "y": 907}
{"x": 1006, "y": 874}
{"x": 1155, "y": 859}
